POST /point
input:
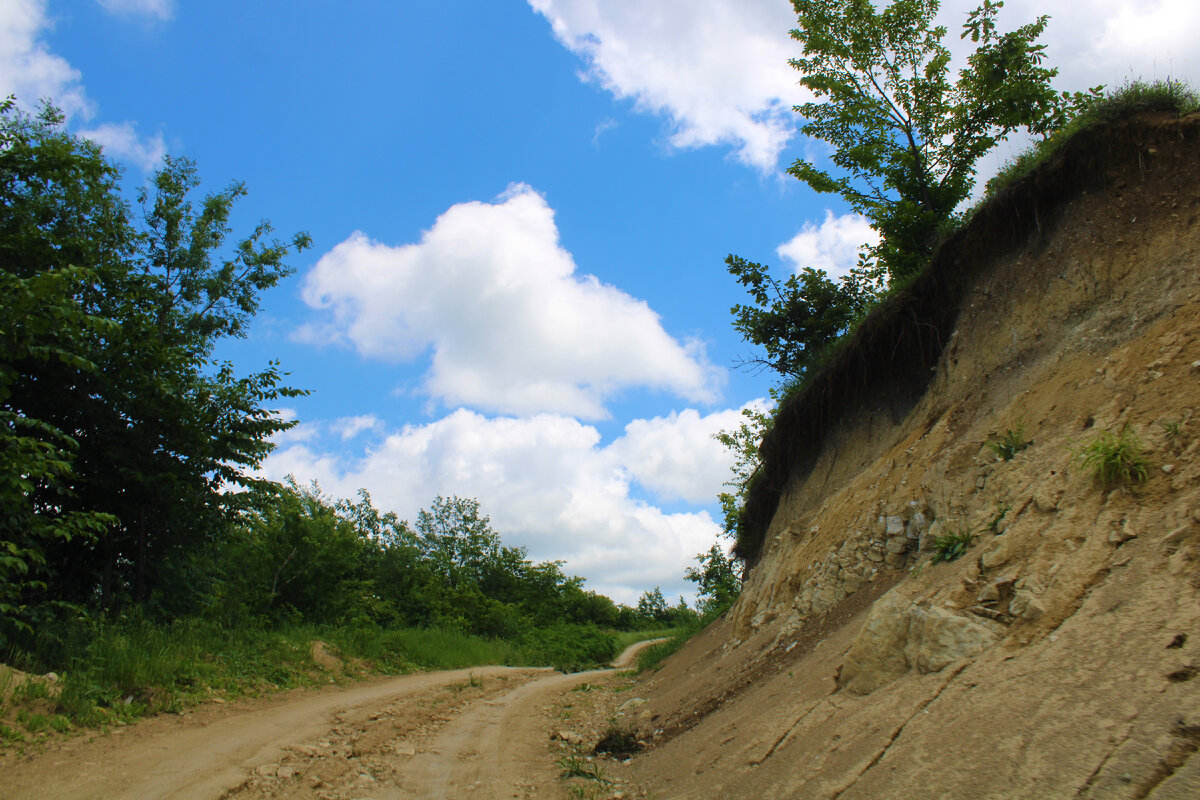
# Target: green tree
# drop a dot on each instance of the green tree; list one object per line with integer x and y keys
{"x": 296, "y": 556}
{"x": 652, "y": 606}
{"x": 458, "y": 540}
{"x": 795, "y": 321}
{"x": 744, "y": 442}
{"x": 716, "y": 579}
{"x": 906, "y": 138}
{"x": 159, "y": 433}
{"x": 39, "y": 321}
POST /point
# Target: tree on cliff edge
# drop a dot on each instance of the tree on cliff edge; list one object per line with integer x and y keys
{"x": 906, "y": 139}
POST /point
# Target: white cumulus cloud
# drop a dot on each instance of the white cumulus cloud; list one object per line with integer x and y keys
{"x": 675, "y": 457}
{"x": 1107, "y": 41}
{"x": 832, "y": 246}
{"x": 717, "y": 69}
{"x": 549, "y": 484}
{"x": 29, "y": 70}
{"x": 27, "y": 67}
{"x": 512, "y": 327}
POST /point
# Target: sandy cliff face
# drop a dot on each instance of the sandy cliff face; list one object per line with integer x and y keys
{"x": 1056, "y": 658}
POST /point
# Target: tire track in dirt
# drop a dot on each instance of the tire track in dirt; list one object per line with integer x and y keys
{"x": 498, "y": 749}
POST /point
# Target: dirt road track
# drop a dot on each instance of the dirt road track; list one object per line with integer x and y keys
{"x": 497, "y": 749}
{"x": 460, "y": 733}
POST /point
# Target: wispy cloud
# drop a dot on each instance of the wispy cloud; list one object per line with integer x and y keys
{"x": 123, "y": 143}
{"x": 157, "y": 9}
{"x": 29, "y": 70}
{"x": 602, "y": 127}
{"x": 27, "y": 67}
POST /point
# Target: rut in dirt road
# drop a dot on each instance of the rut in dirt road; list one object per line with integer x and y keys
{"x": 497, "y": 749}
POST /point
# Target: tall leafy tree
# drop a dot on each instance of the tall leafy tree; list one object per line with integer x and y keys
{"x": 652, "y": 606}
{"x": 906, "y": 138}
{"x": 39, "y": 322}
{"x": 159, "y": 433}
{"x": 458, "y": 539}
{"x": 716, "y": 579}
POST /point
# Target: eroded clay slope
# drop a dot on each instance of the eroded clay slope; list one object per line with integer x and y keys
{"x": 1057, "y": 657}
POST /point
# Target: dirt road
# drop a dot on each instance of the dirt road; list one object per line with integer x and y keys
{"x": 478, "y": 733}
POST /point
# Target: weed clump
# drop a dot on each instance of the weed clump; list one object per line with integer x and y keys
{"x": 576, "y": 766}
{"x": 951, "y": 546}
{"x": 1116, "y": 459}
{"x": 1008, "y": 444}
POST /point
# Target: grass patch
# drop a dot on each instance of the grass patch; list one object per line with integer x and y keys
{"x": 993, "y": 525}
{"x": 1115, "y": 459}
{"x": 652, "y": 656}
{"x": 566, "y": 647}
{"x": 1136, "y": 96}
{"x": 1008, "y": 444}
{"x": 576, "y": 766}
{"x": 11, "y": 735}
{"x": 951, "y": 546}
{"x": 408, "y": 649}
{"x": 115, "y": 672}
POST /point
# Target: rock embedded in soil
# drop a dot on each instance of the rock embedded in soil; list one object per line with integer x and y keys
{"x": 900, "y": 636}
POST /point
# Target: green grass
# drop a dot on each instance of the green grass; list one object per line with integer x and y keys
{"x": 408, "y": 649}
{"x": 951, "y": 546}
{"x": 576, "y": 766}
{"x": 1009, "y": 443}
{"x": 11, "y": 735}
{"x": 1115, "y": 459}
{"x": 993, "y": 525}
{"x": 652, "y": 656}
{"x": 115, "y": 672}
{"x": 1169, "y": 95}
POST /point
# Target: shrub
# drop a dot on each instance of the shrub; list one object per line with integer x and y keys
{"x": 618, "y": 741}
{"x": 1116, "y": 460}
{"x": 568, "y": 647}
{"x": 576, "y": 766}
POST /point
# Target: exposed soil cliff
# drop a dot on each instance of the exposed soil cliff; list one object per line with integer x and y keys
{"x": 1056, "y": 658}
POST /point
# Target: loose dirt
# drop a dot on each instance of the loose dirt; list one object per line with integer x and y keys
{"x": 479, "y": 733}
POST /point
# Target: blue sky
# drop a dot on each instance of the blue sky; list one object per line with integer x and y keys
{"x": 520, "y": 212}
